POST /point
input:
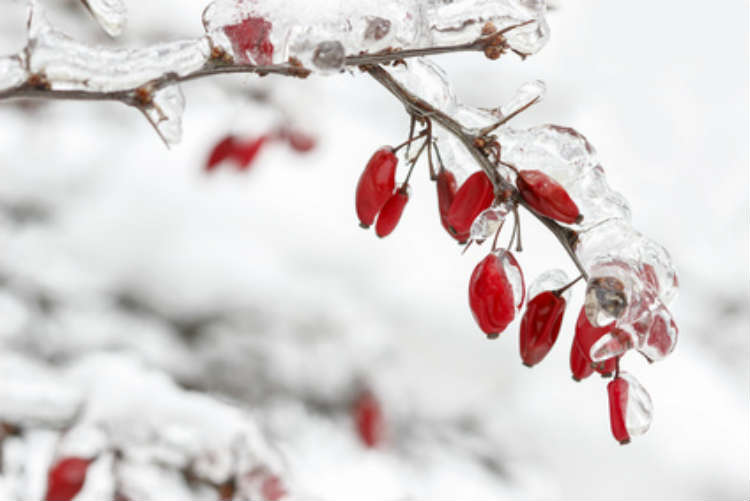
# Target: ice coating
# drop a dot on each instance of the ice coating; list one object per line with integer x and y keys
{"x": 165, "y": 113}
{"x": 550, "y": 280}
{"x": 515, "y": 276}
{"x": 487, "y": 222}
{"x": 424, "y": 78}
{"x": 567, "y": 157}
{"x": 639, "y": 409}
{"x": 527, "y": 94}
{"x": 661, "y": 337}
{"x": 462, "y": 21}
{"x": 303, "y": 28}
{"x": 71, "y": 65}
{"x": 12, "y": 72}
{"x": 112, "y": 15}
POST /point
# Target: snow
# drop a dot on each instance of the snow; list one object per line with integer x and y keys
{"x": 138, "y": 276}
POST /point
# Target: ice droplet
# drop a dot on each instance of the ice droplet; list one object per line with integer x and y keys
{"x": 12, "y": 72}
{"x": 639, "y": 409}
{"x": 329, "y": 55}
{"x": 527, "y": 94}
{"x": 165, "y": 113}
{"x": 71, "y": 65}
{"x": 112, "y": 15}
{"x": 606, "y": 299}
{"x": 612, "y": 344}
{"x": 487, "y": 222}
{"x": 548, "y": 281}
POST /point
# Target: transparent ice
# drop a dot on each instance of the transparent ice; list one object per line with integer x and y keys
{"x": 639, "y": 408}
{"x": 112, "y": 15}
{"x": 550, "y": 280}
{"x": 12, "y": 72}
{"x": 70, "y": 65}
{"x": 488, "y": 221}
{"x": 165, "y": 113}
{"x": 515, "y": 276}
{"x": 526, "y": 94}
{"x": 299, "y": 27}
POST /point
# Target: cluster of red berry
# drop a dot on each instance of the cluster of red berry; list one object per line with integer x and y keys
{"x": 497, "y": 291}
{"x": 242, "y": 152}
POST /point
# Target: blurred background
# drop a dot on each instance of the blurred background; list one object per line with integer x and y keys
{"x": 150, "y": 313}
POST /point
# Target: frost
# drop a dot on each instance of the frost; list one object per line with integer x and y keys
{"x": 548, "y": 281}
{"x": 639, "y": 409}
{"x": 112, "y": 15}
{"x": 487, "y": 222}
{"x": 71, "y": 65}
{"x": 12, "y": 72}
{"x": 165, "y": 113}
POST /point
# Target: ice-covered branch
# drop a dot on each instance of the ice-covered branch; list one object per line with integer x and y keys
{"x": 244, "y": 37}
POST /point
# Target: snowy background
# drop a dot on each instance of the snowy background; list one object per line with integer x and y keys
{"x": 131, "y": 280}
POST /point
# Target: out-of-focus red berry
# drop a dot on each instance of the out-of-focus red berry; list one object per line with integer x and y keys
{"x": 446, "y": 192}
{"x": 300, "y": 142}
{"x": 66, "y": 478}
{"x": 547, "y": 196}
{"x": 224, "y": 149}
{"x": 250, "y": 40}
{"x": 376, "y": 185}
{"x": 246, "y": 151}
{"x": 540, "y": 326}
{"x": 369, "y": 420}
{"x": 272, "y": 489}
{"x": 391, "y": 212}
{"x": 474, "y": 196}
{"x": 618, "y": 403}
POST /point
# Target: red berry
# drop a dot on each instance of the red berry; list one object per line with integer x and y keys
{"x": 250, "y": 40}
{"x": 223, "y": 150}
{"x": 66, "y": 478}
{"x": 368, "y": 418}
{"x": 391, "y": 212}
{"x": 272, "y": 489}
{"x": 540, "y": 326}
{"x": 245, "y": 152}
{"x": 446, "y": 192}
{"x": 299, "y": 141}
{"x": 376, "y": 185}
{"x": 618, "y": 402}
{"x": 491, "y": 294}
{"x": 474, "y": 196}
{"x": 547, "y": 196}
{"x": 607, "y": 367}
{"x": 580, "y": 365}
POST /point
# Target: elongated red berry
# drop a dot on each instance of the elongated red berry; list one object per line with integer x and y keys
{"x": 391, "y": 212}
{"x": 368, "y": 418}
{"x": 540, "y": 326}
{"x": 474, "y": 196}
{"x": 66, "y": 478}
{"x": 607, "y": 367}
{"x": 618, "y": 402}
{"x": 250, "y": 40}
{"x": 223, "y": 150}
{"x": 547, "y": 196}
{"x": 446, "y": 192}
{"x": 246, "y": 151}
{"x": 376, "y": 185}
{"x": 300, "y": 141}
{"x": 493, "y": 293}
{"x": 580, "y": 365}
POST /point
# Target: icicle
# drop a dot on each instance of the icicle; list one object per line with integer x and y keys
{"x": 112, "y": 15}
{"x": 487, "y": 223}
{"x": 165, "y": 113}
{"x": 527, "y": 94}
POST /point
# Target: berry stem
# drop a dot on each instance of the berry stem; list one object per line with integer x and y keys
{"x": 409, "y": 141}
{"x": 562, "y": 289}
